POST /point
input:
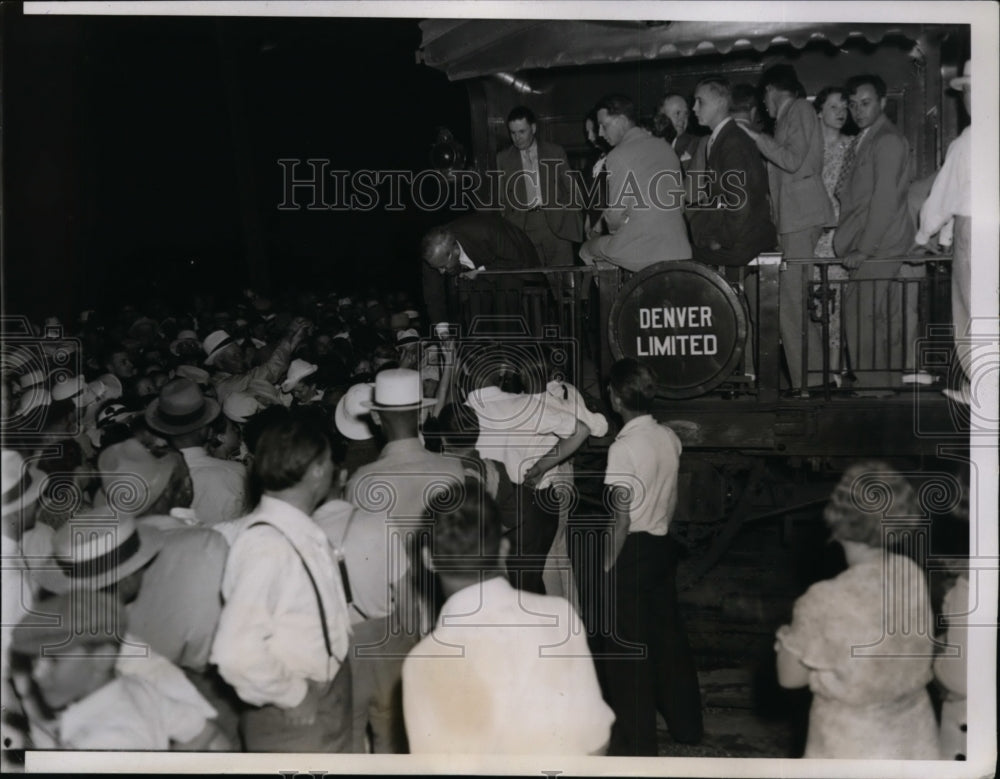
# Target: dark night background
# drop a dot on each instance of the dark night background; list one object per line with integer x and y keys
{"x": 140, "y": 154}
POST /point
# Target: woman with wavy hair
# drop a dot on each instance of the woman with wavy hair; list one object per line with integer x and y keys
{"x": 861, "y": 641}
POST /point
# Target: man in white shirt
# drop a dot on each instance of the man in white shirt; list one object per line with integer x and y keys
{"x": 284, "y": 634}
{"x": 951, "y": 199}
{"x": 643, "y": 463}
{"x": 530, "y": 432}
{"x": 503, "y": 672}
{"x": 184, "y": 415}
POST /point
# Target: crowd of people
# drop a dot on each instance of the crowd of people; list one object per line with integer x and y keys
{"x": 290, "y": 547}
{"x": 321, "y": 523}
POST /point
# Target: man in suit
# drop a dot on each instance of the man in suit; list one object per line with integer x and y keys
{"x": 676, "y": 109}
{"x": 733, "y": 225}
{"x": 799, "y": 201}
{"x": 468, "y": 245}
{"x": 537, "y": 193}
{"x": 645, "y": 194}
{"x": 875, "y": 223}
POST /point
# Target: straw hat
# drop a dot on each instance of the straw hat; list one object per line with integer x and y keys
{"x": 398, "y": 389}
{"x": 214, "y": 343}
{"x": 92, "y": 555}
{"x": 350, "y": 412}
{"x": 297, "y": 371}
{"x": 21, "y": 485}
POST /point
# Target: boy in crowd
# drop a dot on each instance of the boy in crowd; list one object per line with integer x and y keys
{"x": 643, "y": 463}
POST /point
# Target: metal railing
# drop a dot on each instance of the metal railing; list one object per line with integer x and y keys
{"x": 852, "y": 330}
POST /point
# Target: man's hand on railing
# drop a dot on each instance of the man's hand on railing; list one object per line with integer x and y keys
{"x": 854, "y": 260}
{"x": 921, "y": 248}
{"x": 470, "y": 274}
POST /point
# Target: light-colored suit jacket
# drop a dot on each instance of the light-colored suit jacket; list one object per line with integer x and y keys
{"x": 874, "y": 217}
{"x": 559, "y": 197}
{"x": 795, "y": 169}
{"x": 645, "y": 227}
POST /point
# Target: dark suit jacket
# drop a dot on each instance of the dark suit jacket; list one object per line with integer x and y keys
{"x": 874, "y": 217}
{"x": 491, "y": 242}
{"x": 686, "y": 143}
{"x": 557, "y": 190}
{"x": 737, "y": 213}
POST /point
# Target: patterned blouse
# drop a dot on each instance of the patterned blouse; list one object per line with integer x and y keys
{"x": 833, "y": 162}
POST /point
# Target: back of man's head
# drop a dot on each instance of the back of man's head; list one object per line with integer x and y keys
{"x": 744, "y": 100}
{"x": 285, "y": 450}
{"x": 634, "y": 384}
{"x": 783, "y": 78}
{"x": 465, "y": 531}
{"x": 619, "y": 105}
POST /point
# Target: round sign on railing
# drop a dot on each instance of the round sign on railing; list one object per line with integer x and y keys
{"x": 685, "y": 321}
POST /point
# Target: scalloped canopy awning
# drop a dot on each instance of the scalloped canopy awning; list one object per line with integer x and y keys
{"x": 466, "y": 48}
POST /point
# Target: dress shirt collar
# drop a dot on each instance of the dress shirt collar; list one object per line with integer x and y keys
{"x": 287, "y": 518}
{"x": 469, "y": 600}
{"x": 529, "y": 156}
{"x": 717, "y": 130}
{"x": 634, "y": 424}
{"x": 464, "y": 260}
{"x": 404, "y": 446}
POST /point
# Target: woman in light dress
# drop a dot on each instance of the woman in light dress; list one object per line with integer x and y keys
{"x": 862, "y": 641}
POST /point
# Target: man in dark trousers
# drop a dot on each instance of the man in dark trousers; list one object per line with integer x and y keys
{"x": 467, "y": 246}
{"x": 658, "y": 674}
{"x": 734, "y": 224}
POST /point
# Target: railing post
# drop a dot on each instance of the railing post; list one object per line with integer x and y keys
{"x": 768, "y": 368}
{"x": 607, "y": 282}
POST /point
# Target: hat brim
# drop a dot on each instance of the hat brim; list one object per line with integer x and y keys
{"x": 52, "y": 577}
{"x": 289, "y": 385}
{"x": 374, "y": 405}
{"x": 29, "y": 497}
{"x": 211, "y": 411}
{"x": 352, "y": 427}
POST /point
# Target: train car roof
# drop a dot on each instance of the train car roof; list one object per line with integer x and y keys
{"x": 467, "y": 48}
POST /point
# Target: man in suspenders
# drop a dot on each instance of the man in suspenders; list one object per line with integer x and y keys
{"x": 284, "y": 634}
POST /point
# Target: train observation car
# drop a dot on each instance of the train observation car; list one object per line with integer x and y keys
{"x": 723, "y": 386}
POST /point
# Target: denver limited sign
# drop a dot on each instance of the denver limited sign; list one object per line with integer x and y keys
{"x": 685, "y": 321}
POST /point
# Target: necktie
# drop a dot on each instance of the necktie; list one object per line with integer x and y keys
{"x": 530, "y": 181}
{"x": 845, "y": 171}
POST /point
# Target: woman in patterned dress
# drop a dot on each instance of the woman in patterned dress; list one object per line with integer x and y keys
{"x": 831, "y": 106}
{"x": 862, "y": 641}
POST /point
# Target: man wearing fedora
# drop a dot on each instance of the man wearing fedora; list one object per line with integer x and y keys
{"x": 227, "y": 359}
{"x": 283, "y": 641}
{"x": 395, "y": 490}
{"x": 184, "y": 415}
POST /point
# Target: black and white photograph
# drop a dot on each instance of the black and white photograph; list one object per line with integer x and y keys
{"x": 511, "y": 388}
